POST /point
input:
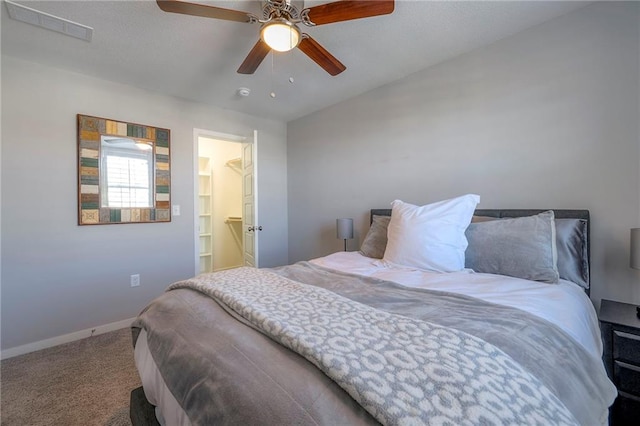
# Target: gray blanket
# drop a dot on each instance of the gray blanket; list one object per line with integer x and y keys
{"x": 448, "y": 357}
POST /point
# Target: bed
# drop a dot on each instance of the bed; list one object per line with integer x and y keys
{"x": 353, "y": 338}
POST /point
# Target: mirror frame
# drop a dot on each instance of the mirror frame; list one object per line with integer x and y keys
{"x": 90, "y": 131}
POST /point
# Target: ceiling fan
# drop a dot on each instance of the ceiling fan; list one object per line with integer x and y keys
{"x": 280, "y": 30}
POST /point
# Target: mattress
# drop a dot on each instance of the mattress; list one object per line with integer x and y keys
{"x": 168, "y": 410}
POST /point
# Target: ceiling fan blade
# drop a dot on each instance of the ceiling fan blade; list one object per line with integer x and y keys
{"x": 254, "y": 58}
{"x": 194, "y": 9}
{"x": 320, "y": 55}
{"x": 346, "y": 10}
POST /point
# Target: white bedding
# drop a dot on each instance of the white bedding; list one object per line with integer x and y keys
{"x": 564, "y": 304}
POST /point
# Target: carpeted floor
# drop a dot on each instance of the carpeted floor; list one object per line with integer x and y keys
{"x": 87, "y": 382}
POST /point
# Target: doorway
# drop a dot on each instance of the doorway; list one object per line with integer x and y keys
{"x": 225, "y": 205}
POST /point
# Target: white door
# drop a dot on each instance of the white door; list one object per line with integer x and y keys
{"x": 250, "y": 227}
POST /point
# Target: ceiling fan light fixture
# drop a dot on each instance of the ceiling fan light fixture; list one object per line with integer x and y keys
{"x": 280, "y": 35}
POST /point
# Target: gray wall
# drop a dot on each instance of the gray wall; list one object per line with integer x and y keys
{"x": 547, "y": 118}
{"x": 58, "y": 277}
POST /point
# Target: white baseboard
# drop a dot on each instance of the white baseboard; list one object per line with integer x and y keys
{"x": 65, "y": 338}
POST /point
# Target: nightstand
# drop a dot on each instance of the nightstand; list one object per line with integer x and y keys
{"x": 621, "y": 337}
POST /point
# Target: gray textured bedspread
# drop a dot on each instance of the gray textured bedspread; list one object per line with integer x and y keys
{"x": 408, "y": 356}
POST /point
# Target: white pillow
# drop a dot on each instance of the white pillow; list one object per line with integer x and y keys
{"x": 430, "y": 237}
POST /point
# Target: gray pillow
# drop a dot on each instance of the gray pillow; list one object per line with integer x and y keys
{"x": 571, "y": 243}
{"x": 523, "y": 247}
{"x": 375, "y": 242}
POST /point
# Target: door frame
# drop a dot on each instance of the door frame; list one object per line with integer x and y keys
{"x": 198, "y": 133}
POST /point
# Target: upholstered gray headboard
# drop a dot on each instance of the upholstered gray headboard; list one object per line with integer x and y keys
{"x": 585, "y": 259}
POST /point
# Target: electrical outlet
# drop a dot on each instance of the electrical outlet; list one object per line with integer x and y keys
{"x": 135, "y": 280}
{"x": 175, "y": 210}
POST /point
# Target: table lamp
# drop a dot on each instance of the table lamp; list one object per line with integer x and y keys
{"x": 345, "y": 230}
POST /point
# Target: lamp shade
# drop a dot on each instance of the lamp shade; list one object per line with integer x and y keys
{"x": 344, "y": 228}
{"x": 280, "y": 35}
{"x": 635, "y": 248}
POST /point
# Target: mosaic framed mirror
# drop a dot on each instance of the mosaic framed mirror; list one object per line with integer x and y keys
{"x": 124, "y": 172}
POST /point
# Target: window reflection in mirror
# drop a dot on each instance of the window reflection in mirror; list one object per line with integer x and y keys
{"x": 126, "y": 172}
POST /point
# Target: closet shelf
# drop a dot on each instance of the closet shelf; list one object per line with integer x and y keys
{"x": 235, "y": 163}
{"x": 233, "y": 219}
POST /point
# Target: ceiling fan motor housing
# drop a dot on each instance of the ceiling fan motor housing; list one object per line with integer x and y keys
{"x": 281, "y": 9}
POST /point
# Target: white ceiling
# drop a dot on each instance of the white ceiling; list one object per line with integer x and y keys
{"x": 136, "y": 43}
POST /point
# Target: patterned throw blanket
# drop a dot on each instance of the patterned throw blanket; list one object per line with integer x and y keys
{"x": 402, "y": 370}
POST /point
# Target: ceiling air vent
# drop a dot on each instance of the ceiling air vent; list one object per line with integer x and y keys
{"x": 47, "y": 21}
